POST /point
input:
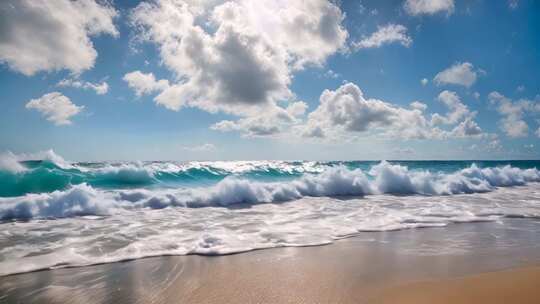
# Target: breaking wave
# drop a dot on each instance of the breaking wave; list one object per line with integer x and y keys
{"x": 48, "y": 172}
{"x": 337, "y": 181}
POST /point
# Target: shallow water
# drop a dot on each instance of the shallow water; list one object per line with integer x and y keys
{"x": 347, "y": 271}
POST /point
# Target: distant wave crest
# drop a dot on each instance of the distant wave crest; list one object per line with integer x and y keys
{"x": 46, "y": 172}
{"x": 383, "y": 178}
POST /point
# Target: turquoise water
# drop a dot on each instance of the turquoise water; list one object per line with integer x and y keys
{"x": 46, "y": 176}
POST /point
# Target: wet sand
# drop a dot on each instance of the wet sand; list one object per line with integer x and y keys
{"x": 511, "y": 286}
{"x": 373, "y": 267}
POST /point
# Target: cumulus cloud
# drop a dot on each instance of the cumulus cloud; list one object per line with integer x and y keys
{"x": 56, "y": 108}
{"x": 391, "y": 33}
{"x": 143, "y": 83}
{"x": 346, "y": 112}
{"x": 418, "y": 105}
{"x": 424, "y": 81}
{"x": 41, "y": 35}
{"x": 457, "y": 110}
{"x": 428, "y": 7}
{"x": 513, "y": 123}
{"x": 238, "y": 56}
{"x": 467, "y": 128}
{"x": 458, "y": 74}
{"x": 100, "y": 88}
{"x": 270, "y": 123}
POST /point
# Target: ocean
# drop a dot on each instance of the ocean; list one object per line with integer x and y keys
{"x": 55, "y": 213}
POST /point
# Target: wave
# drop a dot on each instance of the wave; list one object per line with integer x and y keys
{"x": 10, "y": 163}
{"x": 47, "y": 172}
{"x": 339, "y": 181}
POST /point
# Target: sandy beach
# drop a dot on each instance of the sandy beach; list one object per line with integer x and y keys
{"x": 461, "y": 263}
{"x": 510, "y": 286}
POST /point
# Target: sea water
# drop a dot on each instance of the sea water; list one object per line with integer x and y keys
{"x": 55, "y": 213}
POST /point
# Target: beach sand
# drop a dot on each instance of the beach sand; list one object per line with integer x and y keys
{"x": 512, "y": 286}
{"x": 460, "y": 263}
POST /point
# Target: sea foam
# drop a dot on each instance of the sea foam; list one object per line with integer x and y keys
{"x": 338, "y": 181}
{"x": 10, "y": 163}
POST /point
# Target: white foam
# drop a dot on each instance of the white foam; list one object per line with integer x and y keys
{"x": 135, "y": 173}
{"x": 383, "y": 178}
{"x": 9, "y": 162}
{"x": 335, "y": 181}
{"x": 47, "y": 155}
{"x": 78, "y": 200}
{"x": 398, "y": 179}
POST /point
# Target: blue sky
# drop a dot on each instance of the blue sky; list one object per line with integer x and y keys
{"x": 166, "y": 80}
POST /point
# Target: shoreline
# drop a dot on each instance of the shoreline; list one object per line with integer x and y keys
{"x": 351, "y": 270}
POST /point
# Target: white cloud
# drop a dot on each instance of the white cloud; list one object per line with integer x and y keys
{"x": 424, "y": 81}
{"x": 297, "y": 109}
{"x": 100, "y": 88}
{"x": 200, "y": 148}
{"x": 458, "y": 74}
{"x": 457, "y": 110}
{"x": 476, "y": 95}
{"x": 345, "y": 113}
{"x": 494, "y": 145}
{"x": 428, "y": 7}
{"x": 269, "y": 123}
{"x": 254, "y": 126}
{"x": 520, "y": 88}
{"x": 515, "y": 128}
{"x": 467, "y": 128}
{"x": 143, "y": 83}
{"x": 331, "y": 74}
{"x": 56, "y": 108}
{"x": 237, "y": 57}
{"x": 346, "y": 110}
{"x": 391, "y": 33}
{"x": 41, "y": 35}
{"x": 418, "y": 105}
{"x": 512, "y": 122}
